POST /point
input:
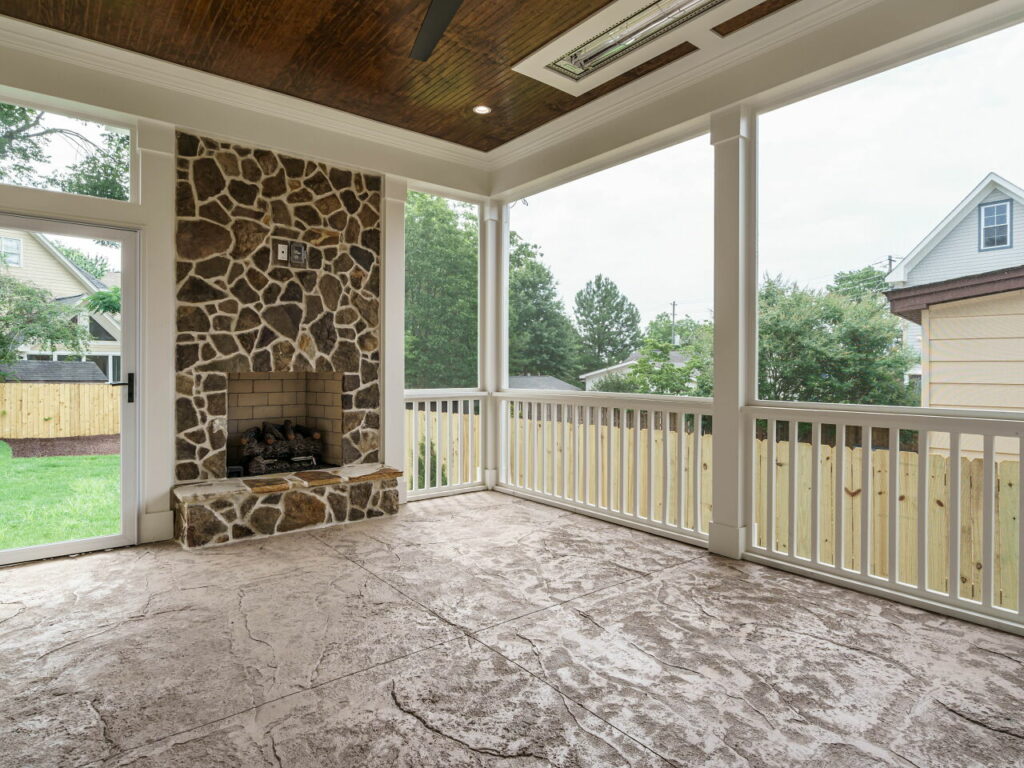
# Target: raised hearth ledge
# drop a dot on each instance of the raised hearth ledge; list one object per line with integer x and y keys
{"x": 212, "y": 512}
{"x": 208, "y": 490}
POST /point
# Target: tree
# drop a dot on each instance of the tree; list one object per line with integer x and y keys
{"x": 655, "y": 372}
{"x": 24, "y": 137}
{"x": 105, "y": 302}
{"x": 96, "y": 265}
{"x": 541, "y": 338}
{"x": 830, "y": 347}
{"x": 441, "y": 293}
{"x": 608, "y": 323}
{"x": 30, "y": 316}
{"x": 840, "y": 345}
{"x": 101, "y": 173}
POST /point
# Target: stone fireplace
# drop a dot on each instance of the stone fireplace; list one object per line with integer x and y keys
{"x": 278, "y": 296}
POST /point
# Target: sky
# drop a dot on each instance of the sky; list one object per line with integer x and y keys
{"x": 846, "y": 179}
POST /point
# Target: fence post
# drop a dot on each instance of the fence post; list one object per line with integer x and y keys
{"x": 493, "y": 342}
{"x": 732, "y": 134}
{"x": 393, "y": 330}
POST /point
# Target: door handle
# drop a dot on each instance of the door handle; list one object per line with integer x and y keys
{"x": 130, "y": 384}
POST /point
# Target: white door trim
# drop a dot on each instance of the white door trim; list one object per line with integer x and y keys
{"x": 130, "y": 444}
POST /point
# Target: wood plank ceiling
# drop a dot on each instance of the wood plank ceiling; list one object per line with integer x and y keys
{"x": 353, "y": 54}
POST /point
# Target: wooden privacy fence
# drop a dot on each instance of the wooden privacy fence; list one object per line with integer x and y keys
{"x": 77, "y": 409}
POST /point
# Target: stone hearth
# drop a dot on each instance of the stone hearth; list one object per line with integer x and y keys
{"x": 218, "y": 512}
{"x": 304, "y": 333}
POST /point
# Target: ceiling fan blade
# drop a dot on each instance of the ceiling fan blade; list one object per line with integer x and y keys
{"x": 439, "y": 16}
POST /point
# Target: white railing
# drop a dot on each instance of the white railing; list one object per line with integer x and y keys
{"x": 923, "y": 507}
{"x": 444, "y": 442}
{"x": 640, "y": 460}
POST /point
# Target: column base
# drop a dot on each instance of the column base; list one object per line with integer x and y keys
{"x": 727, "y": 540}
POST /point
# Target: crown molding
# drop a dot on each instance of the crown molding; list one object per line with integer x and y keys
{"x": 100, "y": 57}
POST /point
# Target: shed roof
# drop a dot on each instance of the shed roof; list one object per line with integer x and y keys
{"x": 53, "y": 371}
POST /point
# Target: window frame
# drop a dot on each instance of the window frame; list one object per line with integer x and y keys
{"x": 5, "y": 255}
{"x": 982, "y": 227}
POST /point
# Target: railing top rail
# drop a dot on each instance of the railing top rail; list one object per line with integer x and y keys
{"x": 443, "y": 394}
{"x": 614, "y": 399}
{"x": 936, "y": 422}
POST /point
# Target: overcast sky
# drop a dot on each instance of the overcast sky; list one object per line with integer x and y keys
{"x": 846, "y": 178}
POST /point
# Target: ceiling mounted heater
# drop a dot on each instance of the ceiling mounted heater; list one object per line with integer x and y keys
{"x": 629, "y": 34}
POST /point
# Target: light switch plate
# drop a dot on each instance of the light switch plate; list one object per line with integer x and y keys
{"x": 282, "y": 251}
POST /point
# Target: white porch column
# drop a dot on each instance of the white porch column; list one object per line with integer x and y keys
{"x": 493, "y": 347}
{"x": 393, "y": 327}
{"x": 735, "y": 316}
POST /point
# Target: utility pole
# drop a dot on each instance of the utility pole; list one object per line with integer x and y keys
{"x": 890, "y": 258}
{"x": 674, "y": 340}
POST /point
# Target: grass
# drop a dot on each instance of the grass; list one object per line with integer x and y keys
{"x": 58, "y": 498}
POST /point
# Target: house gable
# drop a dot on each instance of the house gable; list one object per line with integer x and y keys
{"x": 952, "y": 250}
{"x": 44, "y": 268}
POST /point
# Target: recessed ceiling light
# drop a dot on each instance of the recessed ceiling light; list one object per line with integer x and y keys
{"x": 482, "y": 109}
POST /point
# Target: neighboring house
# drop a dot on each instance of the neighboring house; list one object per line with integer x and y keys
{"x": 962, "y": 292}
{"x": 52, "y": 372}
{"x": 590, "y": 380}
{"x": 31, "y": 258}
{"x": 539, "y": 382}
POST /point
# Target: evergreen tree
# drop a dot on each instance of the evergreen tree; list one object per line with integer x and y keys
{"x": 541, "y": 338}
{"x": 608, "y": 323}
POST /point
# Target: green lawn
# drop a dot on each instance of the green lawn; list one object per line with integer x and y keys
{"x": 58, "y": 498}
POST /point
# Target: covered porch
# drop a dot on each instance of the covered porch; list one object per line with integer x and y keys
{"x": 483, "y": 629}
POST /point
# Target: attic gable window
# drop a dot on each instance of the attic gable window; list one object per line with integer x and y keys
{"x": 10, "y": 251}
{"x": 994, "y": 223}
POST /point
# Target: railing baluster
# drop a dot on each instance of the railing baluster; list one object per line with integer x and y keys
{"x": 953, "y": 579}
{"x": 543, "y": 448}
{"x": 681, "y": 469}
{"x": 565, "y": 451}
{"x": 608, "y": 465}
{"x": 598, "y": 456}
{"x": 415, "y": 445}
{"x": 698, "y": 472}
{"x": 865, "y": 500}
{"x": 770, "y": 502}
{"x": 988, "y": 554}
{"x": 451, "y": 442}
{"x": 839, "y": 554}
{"x": 588, "y": 418}
{"x": 894, "y": 504}
{"x": 577, "y": 415}
{"x": 791, "y": 543}
{"x": 649, "y": 514}
{"x": 636, "y": 463}
{"x": 923, "y": 447}
{"x": 665, "y": 466}
{"x": 816, "y": 492}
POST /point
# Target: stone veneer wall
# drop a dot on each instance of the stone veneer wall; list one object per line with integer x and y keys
{"x": 239, "y": 311}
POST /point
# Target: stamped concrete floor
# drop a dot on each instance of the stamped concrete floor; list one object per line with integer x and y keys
{"x": 484, "y": 630}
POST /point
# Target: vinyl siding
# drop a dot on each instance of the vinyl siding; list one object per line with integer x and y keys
{"x": 40, "y": 268}
{"x": 958, "y": 255}
{"x": 975, "y": 353}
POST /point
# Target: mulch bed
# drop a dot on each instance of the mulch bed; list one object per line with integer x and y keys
{"x": 33, "y": 447}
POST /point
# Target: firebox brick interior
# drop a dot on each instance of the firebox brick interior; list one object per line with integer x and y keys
{"x": 305, "y": 331}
